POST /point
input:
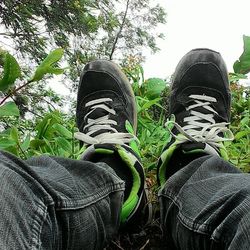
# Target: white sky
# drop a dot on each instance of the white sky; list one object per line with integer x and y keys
{"x": 214, "y": 24}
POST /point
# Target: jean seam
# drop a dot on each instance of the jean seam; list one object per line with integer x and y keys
{"x": 81, "y": 203}
{"x": 188, "y": 222}
{"x": 38, "y": 221}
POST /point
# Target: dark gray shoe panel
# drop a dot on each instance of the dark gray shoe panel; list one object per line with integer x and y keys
{"x": 104, "y": 79}
{"x": 105, "y": 72}
{"x": 201, "y": 71}
{"x": 201, "y": 57}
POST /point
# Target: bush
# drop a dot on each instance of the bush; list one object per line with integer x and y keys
{"x": 52, "y": 133}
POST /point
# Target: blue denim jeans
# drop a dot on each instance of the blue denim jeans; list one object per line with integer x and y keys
{"x": 57, "y": 203}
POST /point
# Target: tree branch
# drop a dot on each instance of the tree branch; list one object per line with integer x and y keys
{"x": 27, "y": 110}
{"x": 119, "y": 32}
{"x": 41, "y": 98}
{"x": 13, "y": 92}
{"x": 34, "y": 113}
{"x": 5, "y": 34}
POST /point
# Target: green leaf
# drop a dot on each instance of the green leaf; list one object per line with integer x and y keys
{"x": 6, "y": 142}
{"x": 245, "y": 121}
{"x": 63, "y": 143}
{"x": 26, "y": 143}
{"x": 50, "y": 148}
{"x": 45, "y": 127}
{"x": 36, "y": 143}
{"x": 242, "y": 66}
{"x": 153, "y": 87}
{"x": 241, "y": 134}
{"x": 148, "y": 104}
{"x": 9, "y": 109}
{"x": 62, "y": 131}
{"x": 235, "y": 77}
{"x": 11, "y": 71}
{"x": 14, "y": 134}
{"x": 129, "y": 127}
{"x": 47, "y": 66}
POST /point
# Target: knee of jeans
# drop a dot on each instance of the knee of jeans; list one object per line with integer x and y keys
{"x": 92, "y": 226}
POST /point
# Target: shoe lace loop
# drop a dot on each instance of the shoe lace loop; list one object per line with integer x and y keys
{"x": 111, "y": 135}
{"x": 202, "y": 127}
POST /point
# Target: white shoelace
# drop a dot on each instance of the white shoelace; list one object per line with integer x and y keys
{"x": 205, "y": 132}
{"x": 102, "y": 123}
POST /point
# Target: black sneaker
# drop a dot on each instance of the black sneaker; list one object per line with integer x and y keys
{"x": 107, "y": 119}
{"x": 200, "y": 102}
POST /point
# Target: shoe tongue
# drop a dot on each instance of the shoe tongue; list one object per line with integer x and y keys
{"x": 99, "y": 112}
{"x": 198, "y": 147}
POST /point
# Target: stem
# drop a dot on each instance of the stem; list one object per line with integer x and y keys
{"x": 5, "y": 34}
{"x": 119, "y": 32}
{"x": 28, "y": 110}
{"x": 14, "y": 91}
{"x": 73, "y": 142}
{"x": 34, "y": 113}
{"x": 42, "y": 98}
{"x": 20, "y": 148}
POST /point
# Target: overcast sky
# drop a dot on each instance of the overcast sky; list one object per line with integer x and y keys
{"x": 214, "y": 24}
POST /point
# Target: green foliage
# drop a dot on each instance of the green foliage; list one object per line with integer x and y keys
{"x": 9, "y": 109}
{"x": 150, "y": 131}
{"x": 47, "y": 66}
{"x": 52, "y": 133}
{"x": 11, "y": 71}
{"x": 239, "y": 149}
{"x": 104, "y": 27}
{"x": 235, "y": 77}
{"x": 242, "y": 66}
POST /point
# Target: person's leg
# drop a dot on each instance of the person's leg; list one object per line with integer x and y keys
{"x": 206, "y": 205}
{"x": 204, "y": 200}
{"x": 56, "y": 203}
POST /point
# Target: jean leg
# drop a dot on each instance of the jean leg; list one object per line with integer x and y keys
{"x": 206, "y": 205}
{"x": 57, "y": 203}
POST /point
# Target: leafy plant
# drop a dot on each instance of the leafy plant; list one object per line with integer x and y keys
{"x": 151, "y": 113}
{"x": 239, "y": 150}
{"x": 104, "y": 27}
{"x": 242, "y": 65}
{"x": 11, "y": 71}
{"x": 53, "y": 134}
